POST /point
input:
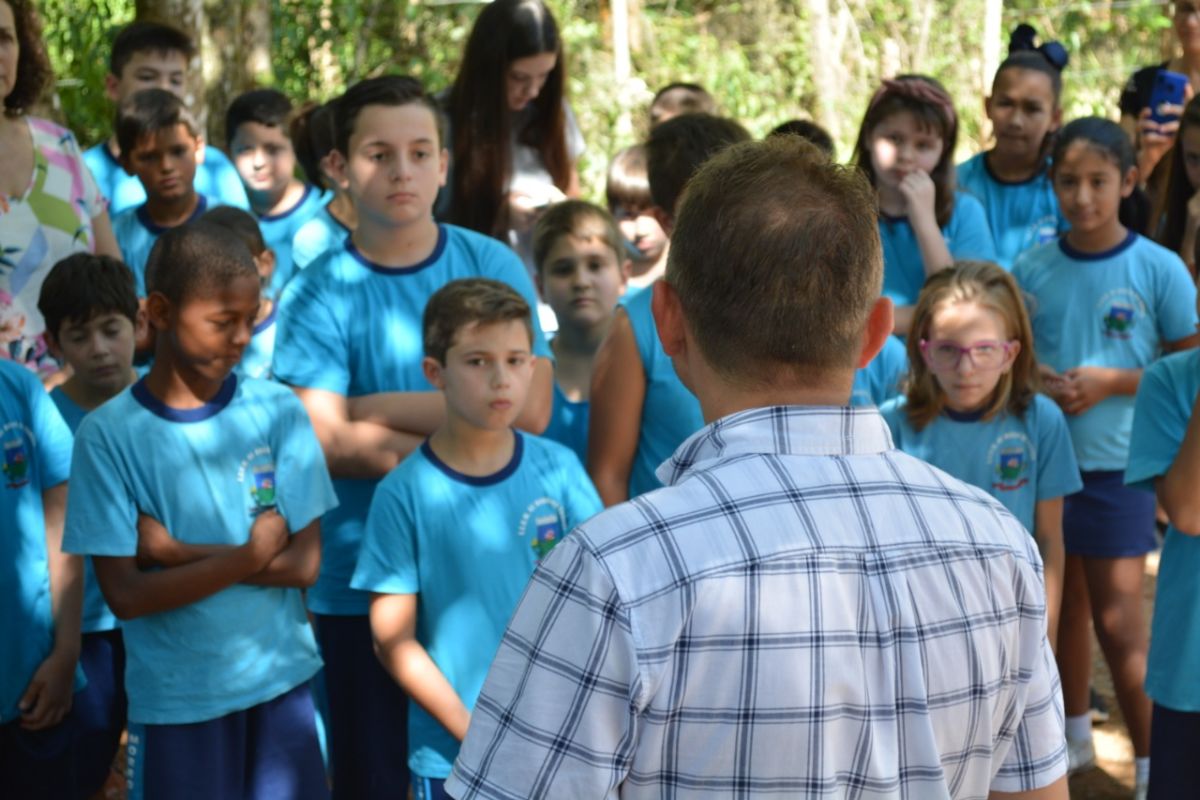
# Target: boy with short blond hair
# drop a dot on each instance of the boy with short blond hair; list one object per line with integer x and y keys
{"x": 455, "y": 531}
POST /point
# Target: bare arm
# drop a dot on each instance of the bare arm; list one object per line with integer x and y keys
{"x": 1048, "y": 533}
{"x": 48, "y": 696}
{"x": 418, "y": 413}
{"x": 132, "y": 593}
{"x": 393, "y": 628}
{"x": 353, "y": 449}
{"x": 102, "y": 232}
{"x": 615, "y": 413}
{"x": 1055, "y": 791}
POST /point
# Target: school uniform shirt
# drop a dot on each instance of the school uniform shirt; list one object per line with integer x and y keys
{"x": 1110, "y": 309}
{"x": 136, "y": 234}
{"x": 670, "y": 413}
{"x": 967, "y": 237}
{"x": 1020, "y": 461}
{"x": 205, "y": 474}
{"x": 467, "y": 546}
{"x": 352, "y": 327}
{"x": 216, "y": 177}
{"x": 256, "y": 359}
{"x": 97, "y": 616}
{"x": 569, "y": 423}
{"x": 279, "y": 231}
{"x": 1164, "y": 406}
{"x": 1020, "y": 214}
{"x": 36, "y": 446}
{"x": 879, "y": 381}
{"x": 322, "y": 231}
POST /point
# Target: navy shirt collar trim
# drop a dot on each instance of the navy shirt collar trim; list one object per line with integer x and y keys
{"x": 432, "y": 258}
{"x": 964, "y": 416}
{"x": 152, "y": 226}
{"x": 479, "y": 480}
{"x": 1079, "y": 255}
{"x": 210, "y": 409}
{"x": 1041, "y": 170}
{"x": 296, "y": 207}
{"x": 267, "y": 321}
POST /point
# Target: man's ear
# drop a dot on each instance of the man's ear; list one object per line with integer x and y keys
{"x": 433, "y": 372}
{"x": 879, "y": 328}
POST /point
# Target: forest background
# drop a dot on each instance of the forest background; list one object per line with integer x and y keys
{"x": 766, "y": 61}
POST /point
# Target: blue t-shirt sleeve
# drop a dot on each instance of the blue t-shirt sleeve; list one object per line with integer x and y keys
{"x": 305, "y": 490}
{"x": 387, "y": 563}
{"x": 52, "y": 436}
{"x": 1058, "y": 472}
{"x": 969, "y": 234}
{"x": 101, "y": 510}
{"x": 1158, "y": 428}
{"x": 502, "y": 264}
{"x": 311, "y": 350}
{"x": 226, "y": 183}
{"x": 582, "y": 500}
{"x": 1175, "y": 303}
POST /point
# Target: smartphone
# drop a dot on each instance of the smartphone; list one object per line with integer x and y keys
{"x": 1168, "y": 87}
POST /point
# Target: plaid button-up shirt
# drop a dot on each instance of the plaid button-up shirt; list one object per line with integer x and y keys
{"x": 803, "y": 611}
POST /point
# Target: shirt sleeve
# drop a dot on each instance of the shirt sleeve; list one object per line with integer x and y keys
{"x": 1175, "y": 302}
{"x": 101, "y": 509}
{"x": 1159, "y": 426}
{"x": 555, "y": 718}
{"x": 969, "y": 234}
{"x": 226, "y": 183}
{"x": 387, "y": 563}
{"x": 582, "y": 500}
{"x": 311, "y": 350}
{"x": 90, "y": 196}
{"x": 502, "y": 264}
{"x": 304, "y": 488}
{"x": 52, "y": 439}
{"x": 1058, "y": 471}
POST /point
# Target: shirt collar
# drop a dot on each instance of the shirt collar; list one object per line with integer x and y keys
{"x": 780, "y": 430}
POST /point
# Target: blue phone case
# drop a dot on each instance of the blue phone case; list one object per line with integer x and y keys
{"x": 1169, "y": 87}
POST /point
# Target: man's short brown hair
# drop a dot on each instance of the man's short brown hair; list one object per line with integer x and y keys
{"x": 469, "y": 301}
{"x": 777, "y": 261}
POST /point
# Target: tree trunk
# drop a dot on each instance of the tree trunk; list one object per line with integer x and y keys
{"x": 825, "y": 59}
{"x": 993, "y": 20}
{"x": 189, "y": 17}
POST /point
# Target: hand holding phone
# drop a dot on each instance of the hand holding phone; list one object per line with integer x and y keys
{"x": 1169, "y": 89}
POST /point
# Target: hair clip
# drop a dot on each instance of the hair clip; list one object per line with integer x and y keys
{"x": 1024, "y": 38}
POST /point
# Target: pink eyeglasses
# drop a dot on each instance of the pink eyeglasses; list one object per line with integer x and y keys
{"x": 942, "y": 354}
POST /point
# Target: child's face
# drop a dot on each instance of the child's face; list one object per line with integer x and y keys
{"x": 899, "y": 145}
{"x": 208, "y": 331}
{"x": 641, "y": 229}
{"x": 582, "y": 278}
{"x": 165, "y": 162}
{"x": 149, "y": 69}
{"x": 1089, "y": 186}
{"x": 264, "y": 157}
{"x": 100, "y": 351}
{"x": 1189, "y": 143}
{"x": 395, "y": 165}
{"x": 486, "y": 375}
{"x": 1023, "y": 112}
{"x": 526, "y": 77}
{"x": 968, "y": 379}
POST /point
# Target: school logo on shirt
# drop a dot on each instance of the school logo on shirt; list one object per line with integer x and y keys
{"x": 1120, "y": 311}
{"x": 17, "y": 443}
{"x": 1044, "y": 230}
{"x": 546, "y": 521}
{"x": 1009, "y": 457}
{"x": 257, "y": 474}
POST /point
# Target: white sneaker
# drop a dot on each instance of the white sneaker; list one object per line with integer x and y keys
{"x": 1140, "y": 791}
{"x": 1081, "y": 755}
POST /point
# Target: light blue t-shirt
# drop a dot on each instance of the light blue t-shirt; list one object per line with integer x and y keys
{"x": 37, "y": 456}
{"x": 670, "y": 413}
{"x": 1020, "y": 215}
{"x": 205, "y": 474}
{"x": 1111, "y": 309}
{"x": 319, "y": 233}
{"x": 216, "y": 178}
{"x": 1164, "y": 406}
{"x": 136, "y": 234}
{"x": 256, "y": 359}
{"x": 1017, "y": 460}
{"x": 97, "y": 616}
{"x": 569, "y": 423}
{"x": 352, "y": 327}
{"x": 279, "y": 231}
{"x": 879, "y": 381}
{"x": 467, "y": 545}
{"x": 967, "y": 237}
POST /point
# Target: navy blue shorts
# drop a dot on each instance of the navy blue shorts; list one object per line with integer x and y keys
{"x": 1173, "y": 738}
{"x": 266, "y": 752}
{"x": 99, "y": 708}
{"x": 38, "y": 764}
{"x": 1108, "y": 519}
{"x": 429, "y": 788}
{"x": 368, "y": 713}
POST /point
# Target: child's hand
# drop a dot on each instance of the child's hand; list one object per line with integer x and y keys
{"x": 268, "y": 537}
{"x": 1084, "y": 387}
{"x": 920, "y": 196}
{"x": 155, "y": 547}
{"x": 48, "y": 697}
